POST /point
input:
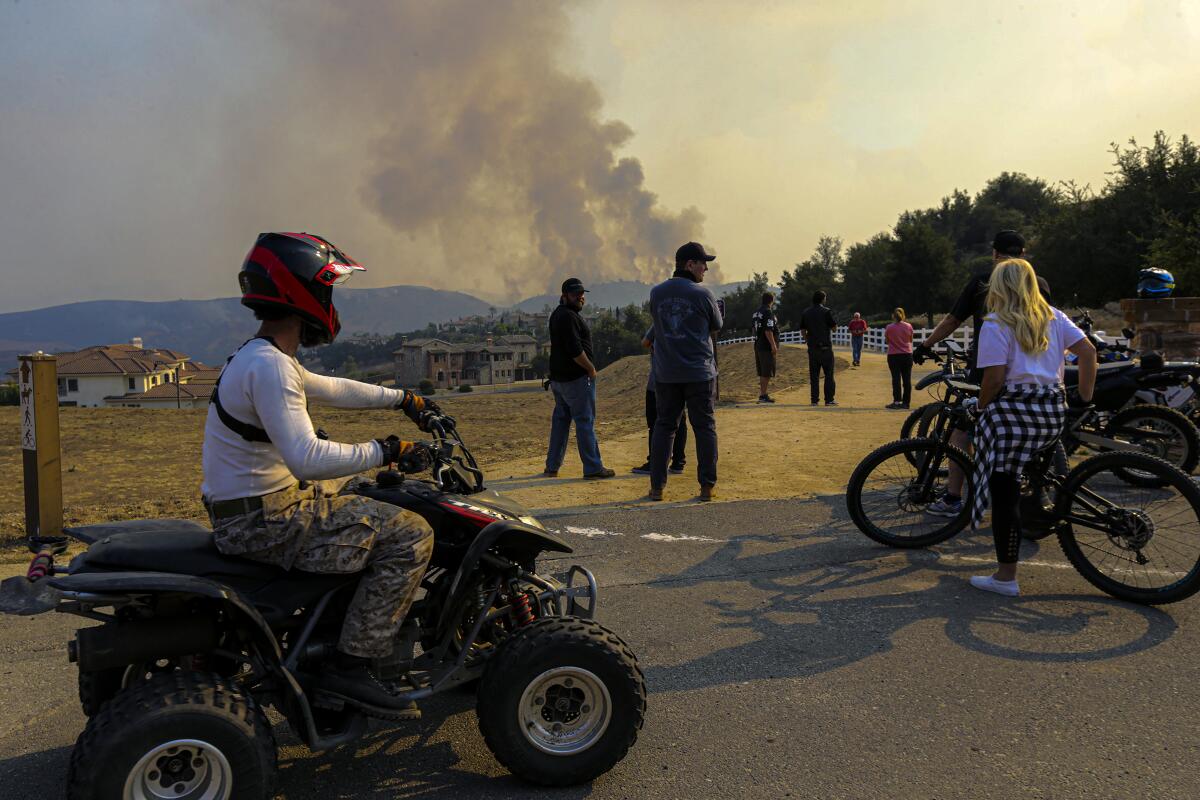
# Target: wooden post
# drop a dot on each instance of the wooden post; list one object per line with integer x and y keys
{"x": 38, "y": 376}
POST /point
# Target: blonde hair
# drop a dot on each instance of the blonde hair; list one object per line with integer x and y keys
{"x": 1014, "y": 299}
{"x": 898, "y": 314}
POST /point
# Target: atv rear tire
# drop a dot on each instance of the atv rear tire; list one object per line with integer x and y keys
{"x": 185, "y": 734}
{"x": 98, "y": 687}
{"x": 562, "y": 701}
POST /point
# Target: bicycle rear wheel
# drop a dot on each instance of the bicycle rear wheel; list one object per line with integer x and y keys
{"x": 891, "y": 489}
{"x": 1137, "y": 543}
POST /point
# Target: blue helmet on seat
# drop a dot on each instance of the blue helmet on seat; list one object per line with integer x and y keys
{"x": 1155, "y": 284}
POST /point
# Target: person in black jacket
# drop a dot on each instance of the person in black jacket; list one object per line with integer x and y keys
{"x": 573, "y": 379}
{"x": 817, "y": 324}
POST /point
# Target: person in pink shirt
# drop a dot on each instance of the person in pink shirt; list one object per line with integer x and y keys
{"x": 858, "y": 328}
{"x": 899, "y": 336}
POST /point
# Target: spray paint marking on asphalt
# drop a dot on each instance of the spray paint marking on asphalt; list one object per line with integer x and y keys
{"x": 597, "y": 533}
{"x": 676, "y": 537}
{"x": 591, "y": 533}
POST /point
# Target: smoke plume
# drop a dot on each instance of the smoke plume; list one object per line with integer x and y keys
{"x": 440, "y": 143}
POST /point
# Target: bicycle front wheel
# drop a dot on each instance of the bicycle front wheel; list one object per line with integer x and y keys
{"x": 1137, "y": 543}
{"x": 890, "y": 492}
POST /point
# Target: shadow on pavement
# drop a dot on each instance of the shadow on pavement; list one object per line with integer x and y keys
{"x": 803, "y": 629}
{"x": 408, "y": 760}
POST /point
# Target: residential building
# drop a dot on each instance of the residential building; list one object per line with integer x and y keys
{"x": 498, "y": 360}
{"x": 123, "y": 374}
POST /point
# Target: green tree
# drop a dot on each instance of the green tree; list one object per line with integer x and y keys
{"x": 741, "y": 303}
{"x": 821, "y": 271}
{"x": 612, "y": 341}
{"x": 867, "y": 275}
{"x": 923, "y": 274}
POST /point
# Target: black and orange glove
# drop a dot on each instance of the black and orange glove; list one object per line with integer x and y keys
{"x": 414, "y": 405}
{"x": 409, "y": 457}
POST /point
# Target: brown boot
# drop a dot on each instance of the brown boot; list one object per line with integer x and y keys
{"x": 708, "y": 492}
{"x": 656, "y": 493}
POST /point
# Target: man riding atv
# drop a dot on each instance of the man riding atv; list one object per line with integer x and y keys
{"x": 268, "y": 476}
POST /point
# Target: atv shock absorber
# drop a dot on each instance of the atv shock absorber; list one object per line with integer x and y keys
{"x": 522, "y": 610}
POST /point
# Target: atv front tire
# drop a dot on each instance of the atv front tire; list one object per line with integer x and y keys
{"x": 562, "y": 701}
{"x": 183, "y": 734}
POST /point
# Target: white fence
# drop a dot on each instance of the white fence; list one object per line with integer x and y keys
{"x": 873, "y": 338}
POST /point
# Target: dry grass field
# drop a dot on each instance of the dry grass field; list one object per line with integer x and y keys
{"x": 129, "y": 463}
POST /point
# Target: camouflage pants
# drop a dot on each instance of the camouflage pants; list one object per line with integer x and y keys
{"x": 316, "y": 529}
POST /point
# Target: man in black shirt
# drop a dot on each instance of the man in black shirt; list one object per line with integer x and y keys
{"x": 573, "y": 379}
{"x": 971, "y": 302}
{"x": 766, "y": 344}
{"x": 817, "y": 324}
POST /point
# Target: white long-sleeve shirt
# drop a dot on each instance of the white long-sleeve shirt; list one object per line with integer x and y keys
{"x": 267, "y": 388}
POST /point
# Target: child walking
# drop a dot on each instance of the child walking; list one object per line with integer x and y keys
{"x": 1021, "y": 402}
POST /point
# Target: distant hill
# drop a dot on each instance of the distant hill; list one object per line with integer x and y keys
{"x": 208, "y": 330}
{"x": 617, "y": 294}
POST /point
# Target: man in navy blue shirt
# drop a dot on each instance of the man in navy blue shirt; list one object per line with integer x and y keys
{"x": 685, "y": 318}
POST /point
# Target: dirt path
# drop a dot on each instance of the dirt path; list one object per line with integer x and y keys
{"x": 133, "y": 463}
{"x": 790, "y": 449}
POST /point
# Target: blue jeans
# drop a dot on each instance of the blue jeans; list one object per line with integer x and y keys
{"x": 574, "y": 401}
{"x": 856, "y": 343}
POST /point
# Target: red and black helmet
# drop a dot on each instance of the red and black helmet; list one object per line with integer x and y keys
{"x": 296, "y": 272}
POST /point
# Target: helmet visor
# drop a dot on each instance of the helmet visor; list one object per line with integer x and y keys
{"x": 339, "y": 269}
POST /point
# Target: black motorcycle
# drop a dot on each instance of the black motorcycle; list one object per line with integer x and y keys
{"x": 193, "y": 645}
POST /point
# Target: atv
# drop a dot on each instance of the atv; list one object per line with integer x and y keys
{"x": 193, "y": 645}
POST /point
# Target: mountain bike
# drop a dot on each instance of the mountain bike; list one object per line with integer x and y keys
{"x": 1135, "y": 542}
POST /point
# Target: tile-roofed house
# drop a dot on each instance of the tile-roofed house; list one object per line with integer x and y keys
{"x": 166, "y": 395}
{"x": 88, "y": 377}
{"x": 501, "y": 359}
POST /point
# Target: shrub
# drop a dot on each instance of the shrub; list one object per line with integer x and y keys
{"x": 426, "y": 387}
{"x": 466, "y": 387}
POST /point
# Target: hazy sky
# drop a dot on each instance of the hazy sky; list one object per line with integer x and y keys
{"x": 495, "y": 147}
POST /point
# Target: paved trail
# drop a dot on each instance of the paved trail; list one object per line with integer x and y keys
{"x": 787, "y": 656}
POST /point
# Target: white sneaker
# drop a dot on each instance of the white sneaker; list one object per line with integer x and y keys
{"x": 988, "y": 583}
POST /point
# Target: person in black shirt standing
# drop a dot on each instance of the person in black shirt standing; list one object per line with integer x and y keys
{"x": 766, "y": 345}
{"x": 817, "y": 324}
{"x": 971, "y": 303}
{"x": 573, "y": 379}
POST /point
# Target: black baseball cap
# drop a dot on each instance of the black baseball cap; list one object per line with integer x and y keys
{"x": 692, "y": 251}
{"x": 1009, "y": 243}
{"x": 572, "y": 286}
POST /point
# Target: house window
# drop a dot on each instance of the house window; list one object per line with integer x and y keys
{"x": 72, "y": 385}
{"x": 131, "y": 387}
{"x": 154, "y": 380}
{"x": 62, "y": 388}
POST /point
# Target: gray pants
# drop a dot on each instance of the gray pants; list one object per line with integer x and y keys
{"x": 316, "y": 529}
{"x": 699, "y": 399}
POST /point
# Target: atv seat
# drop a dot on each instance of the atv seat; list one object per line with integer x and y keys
{"x": 169, "y": 545}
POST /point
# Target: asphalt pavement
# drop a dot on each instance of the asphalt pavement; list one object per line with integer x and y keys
{"x": 786, "y": 656}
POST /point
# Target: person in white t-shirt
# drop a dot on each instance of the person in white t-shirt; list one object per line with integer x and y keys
{"x": 268, "y": 475}
{"x": 1021, "y": 402}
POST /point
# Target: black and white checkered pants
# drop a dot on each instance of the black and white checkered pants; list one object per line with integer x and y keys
{"x": 1024, "y": 419}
